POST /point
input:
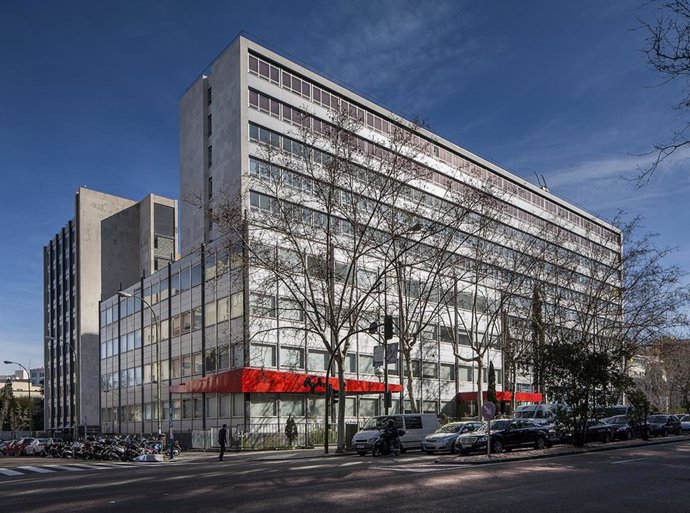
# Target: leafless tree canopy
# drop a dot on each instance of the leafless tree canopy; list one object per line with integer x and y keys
{"x": 667, "y": 47}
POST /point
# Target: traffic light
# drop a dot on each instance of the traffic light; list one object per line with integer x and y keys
{"x": 373, "y": 328}
{"x": 388, "y": 327}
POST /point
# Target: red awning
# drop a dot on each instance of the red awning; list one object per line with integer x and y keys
{"x": 523, "y": 397}
{"x": 250, "y": 380}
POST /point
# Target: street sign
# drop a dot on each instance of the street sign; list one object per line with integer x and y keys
{"x": 379, "y": 351}
{"x": 488, "y": 410}
{"x": 392, "y": 353}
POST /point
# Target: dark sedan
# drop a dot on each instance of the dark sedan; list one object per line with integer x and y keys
{"x": 506, "y": 434}
{"x": 662, "y": 425}
{"x": 625, "y": 428}
{"x": 600, "y": 431}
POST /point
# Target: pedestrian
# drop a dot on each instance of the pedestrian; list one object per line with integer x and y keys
{"x": 222, "y": 440}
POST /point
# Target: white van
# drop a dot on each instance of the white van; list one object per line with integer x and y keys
{"x": 540, "y": 413}
{"x": 416, "y": 426}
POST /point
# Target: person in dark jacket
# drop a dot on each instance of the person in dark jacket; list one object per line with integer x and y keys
{"x": 222, "y": 440}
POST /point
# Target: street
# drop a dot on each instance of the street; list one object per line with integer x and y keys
{"x": 650, "y": 478}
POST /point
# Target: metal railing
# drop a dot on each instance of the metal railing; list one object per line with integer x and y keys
{"x": 264, "y": 435}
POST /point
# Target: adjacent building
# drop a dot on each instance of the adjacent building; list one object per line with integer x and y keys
{"x": 193, "y": 356}
{"x": 109, "y": 244}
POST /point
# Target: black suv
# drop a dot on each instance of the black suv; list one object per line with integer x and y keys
{"x": 662, "y": 425}
{"x": 507, "y": 434}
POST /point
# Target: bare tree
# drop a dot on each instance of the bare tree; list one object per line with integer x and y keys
{"x": 666, "y": 377}
{"x": 325, "y": 205}
{"x": 599, "y": 312}
{"x": 667, "y": 47}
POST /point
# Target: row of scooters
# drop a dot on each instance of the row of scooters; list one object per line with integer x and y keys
{"x": 111, "y": 448}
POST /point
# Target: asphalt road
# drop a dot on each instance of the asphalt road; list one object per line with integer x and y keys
{"x": 638, "y": 479}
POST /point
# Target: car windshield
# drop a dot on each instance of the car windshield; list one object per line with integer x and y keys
{"x": 527, "y": 414}
{"x": 453, "y": 427}
{"x": 657, "y": 418}
{"x": 498, "y": 425}
{"x": 685, "y": 418}
{"x": 617, "y": 420}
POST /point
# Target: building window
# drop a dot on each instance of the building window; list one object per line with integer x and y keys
{"x": 318, "y": 359}
{"x": 209, "y": 95}
{"x": 291, "y": 358}
{"x": 210, "y": 125}
{"x": 210, "y": 156}
{"x": 429, "y": 370}
{"x": 366, "y": 364}
{"x": 263, "y": 355}
{"x": 447, "y": 372}
{"x": 210, "y": 187}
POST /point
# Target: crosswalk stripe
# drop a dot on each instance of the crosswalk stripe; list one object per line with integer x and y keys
{"x": 69, "y": 468}
{"x": 9, "y": 472}
{"x": 92, "y": 467}
{"x": 38, "y": 470}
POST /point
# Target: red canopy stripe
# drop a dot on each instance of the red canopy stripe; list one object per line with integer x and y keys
{"x": 251, "y": 380}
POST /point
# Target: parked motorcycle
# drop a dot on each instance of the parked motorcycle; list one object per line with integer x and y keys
{"x": 388, "y": 443}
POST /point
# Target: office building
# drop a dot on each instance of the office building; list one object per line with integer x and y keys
{"x": 108, "y": 244}
{"x": 229, "y": 349}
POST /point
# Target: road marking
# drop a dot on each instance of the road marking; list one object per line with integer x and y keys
{"x": 627, "y": 461}
{"x": 8, "y": 472}
{"x": 307, "y": 467}
{"x": 69, "y": 468}
{"x": 351, "y": 463}
{"x": 92, "y": 467}
{"x": 38, "y": 470}
{"x": 419, "y": 469}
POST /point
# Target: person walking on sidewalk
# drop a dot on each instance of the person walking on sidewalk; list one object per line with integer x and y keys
{"x": 222, "y": 440}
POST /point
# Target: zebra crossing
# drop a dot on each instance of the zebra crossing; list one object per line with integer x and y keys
{"x": 23, "y": 470}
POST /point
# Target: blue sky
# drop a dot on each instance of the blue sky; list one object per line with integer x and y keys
{"x": 89, "y": 96}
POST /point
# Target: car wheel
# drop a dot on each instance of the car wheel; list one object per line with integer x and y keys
{"x": 497, "y": 446}
{"x": 453, "y": 450}
{"x": 607, "y": 437}
{"x": 402, "y": 450}
{"x": 432, "y": 452}
{"x": 540, "y": 443}
{"x": 464, "y": 452}
{"x": 628, "y": 435}
{"x": 376, "y": 452}
{"x": 665, "y": 432}
{"x": 362, "y": 453}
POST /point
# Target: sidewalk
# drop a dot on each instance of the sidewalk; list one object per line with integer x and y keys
{"x": 557, "y": 450}
{"x": 474, "y": 459}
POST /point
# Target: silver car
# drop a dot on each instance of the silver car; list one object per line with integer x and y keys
{"x": 444, "y": 438}
{"x": 685, "y": 423}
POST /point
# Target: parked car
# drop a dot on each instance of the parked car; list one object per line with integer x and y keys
{"x": 18, "y": 448}
{"x": 625, "y": 428}
{"x": 4, "y": 445}
{"x": 415, "y": 425}
{"x": 37, "y": 447}
{"x": 685, "y": 423}
{"x": 662, "y": 425}
{"x": 539, "y": 413}
{"x": 506, "y": 434}
{"x": 619, "y": 409}
{"x": 600, "y": 431}
{"x": 443, "y": 439}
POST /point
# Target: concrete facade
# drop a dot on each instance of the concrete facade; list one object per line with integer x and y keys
{"x": 220, "y": 140}
{"x": 107, "y": 246}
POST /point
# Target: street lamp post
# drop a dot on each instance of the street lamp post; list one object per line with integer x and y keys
{"x": 31, "y": 406}
{"x": 77, "y": 401}
{"x": 122, "y": 293}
